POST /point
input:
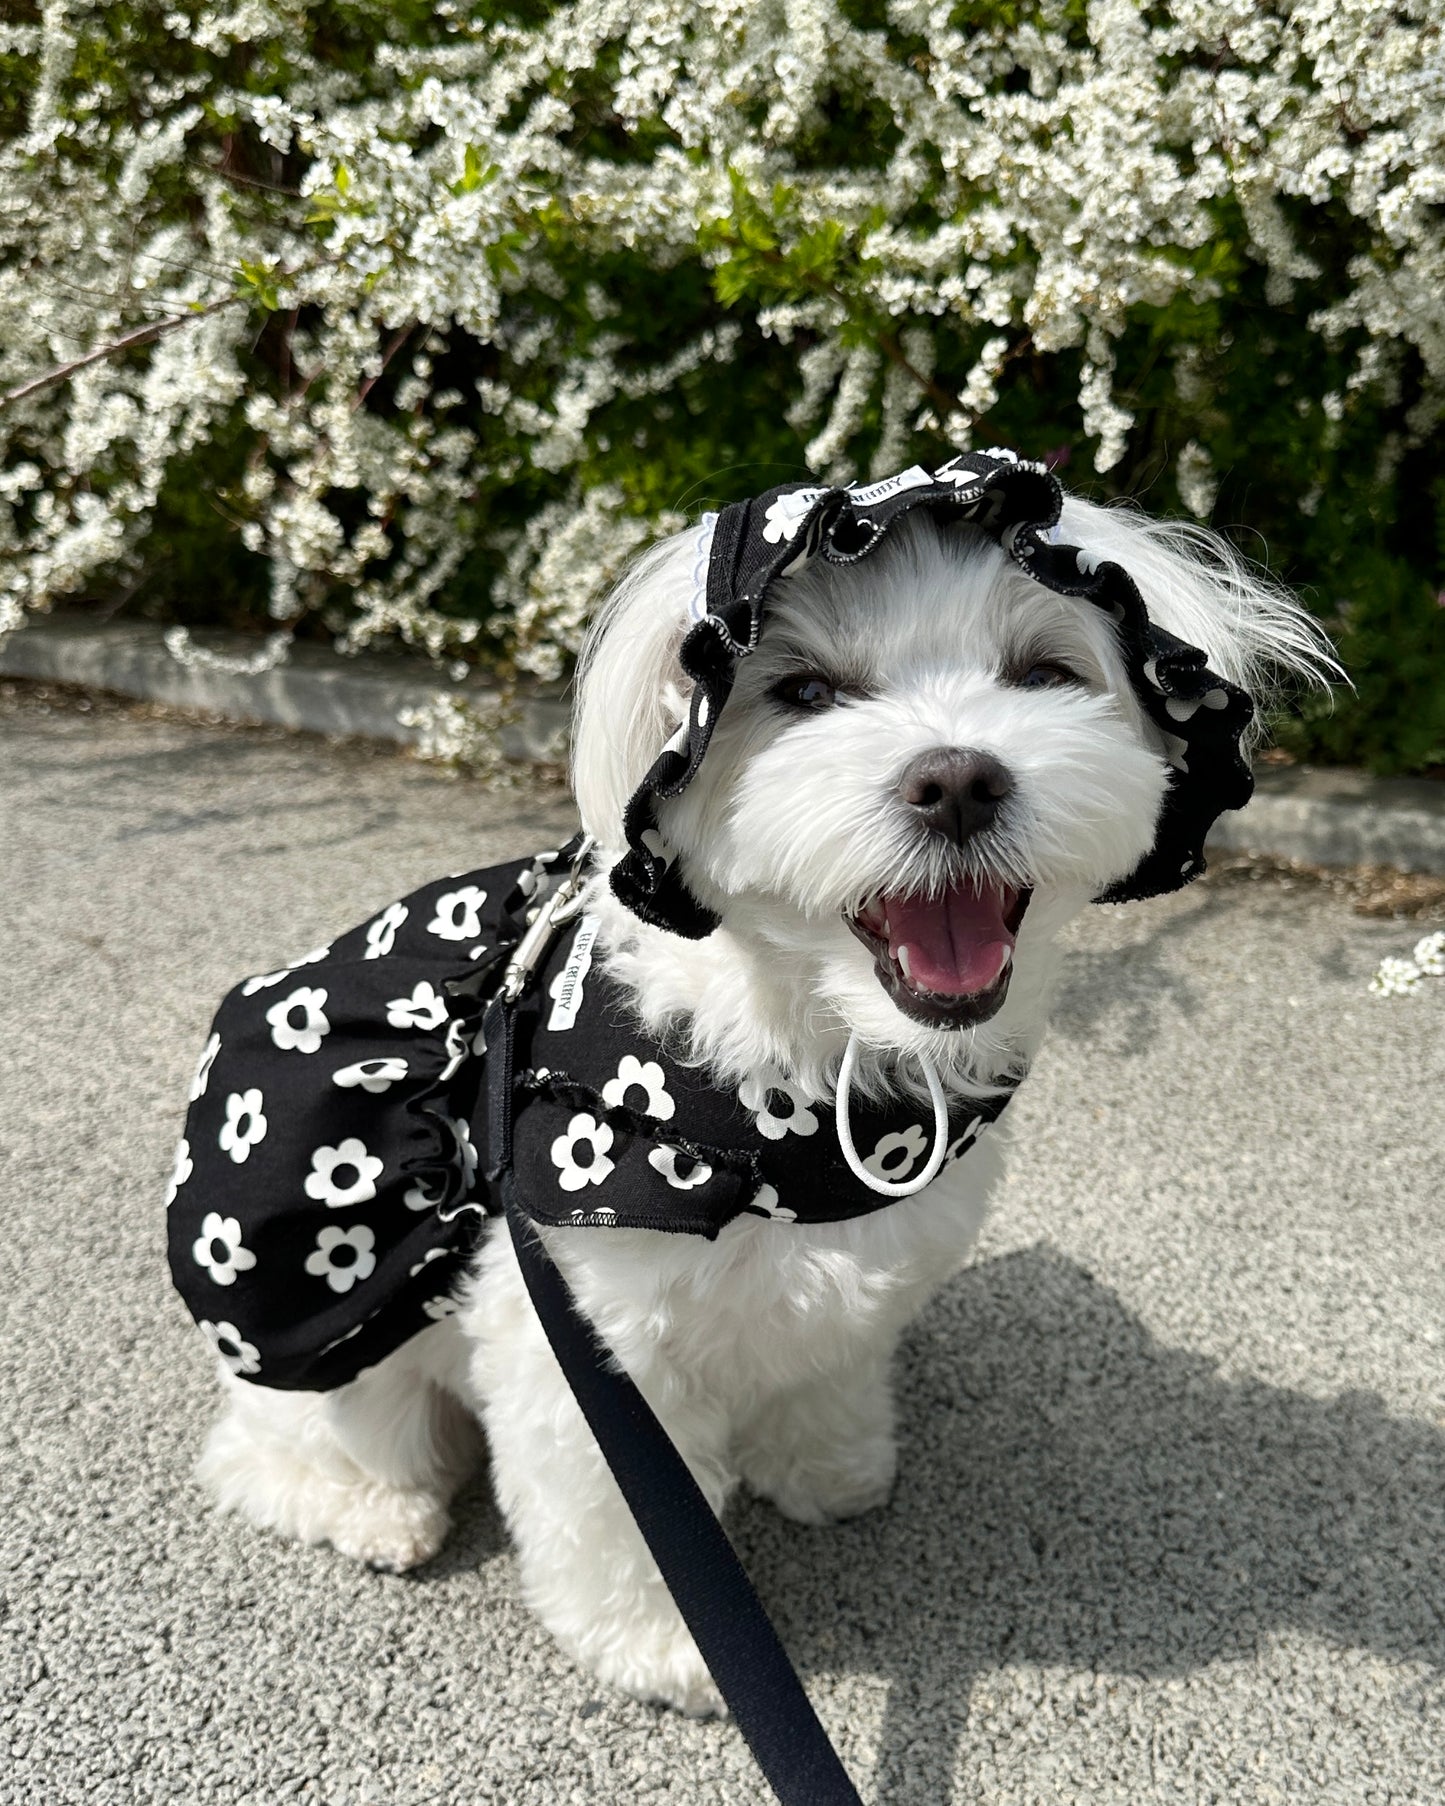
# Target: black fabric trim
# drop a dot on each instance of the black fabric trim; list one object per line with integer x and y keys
{"x": 1018, "y": 504}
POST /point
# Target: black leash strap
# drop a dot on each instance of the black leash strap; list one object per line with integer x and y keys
{"x": 701, "y": 1568}
{"x": 699, "y": 1565}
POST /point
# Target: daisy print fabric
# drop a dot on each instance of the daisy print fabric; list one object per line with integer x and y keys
{"x": 609, "y": 1131}
{"x": 325, "y": 1195}
{"x": 330, "y": 1188}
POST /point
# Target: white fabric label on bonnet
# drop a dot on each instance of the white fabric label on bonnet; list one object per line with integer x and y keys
{"x": 915, "y": 477}
{"x": 566, "y": 988}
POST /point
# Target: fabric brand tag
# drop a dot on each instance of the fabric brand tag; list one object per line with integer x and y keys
{"x": 565, "y": 989}
{"x": 915, "y": 477}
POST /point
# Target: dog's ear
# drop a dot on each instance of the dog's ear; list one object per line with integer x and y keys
{"x": 631, "y": 693}
{"x": 1196, "y": 586}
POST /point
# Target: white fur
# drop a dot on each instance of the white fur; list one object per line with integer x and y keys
{"x": 766, "y": 1353}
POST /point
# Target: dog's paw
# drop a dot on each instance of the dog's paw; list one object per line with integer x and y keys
{"x": 390, "y": 1528}
{"x": 654, "y": 1662}
{"x": 826, "y": 1488}
{"x": 675, "y": 1676}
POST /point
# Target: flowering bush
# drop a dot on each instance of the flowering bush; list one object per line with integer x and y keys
{"x": 416, "y": 317}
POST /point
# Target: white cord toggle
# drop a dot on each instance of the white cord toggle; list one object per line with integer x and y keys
{"x": 889, "y": 1188}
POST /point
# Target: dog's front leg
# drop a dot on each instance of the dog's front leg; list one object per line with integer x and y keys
{"x": 584, "y": 1567}
{"x": 825, "y": 1449}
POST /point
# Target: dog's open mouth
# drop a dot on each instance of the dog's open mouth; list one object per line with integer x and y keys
{"x": 945, "y": 960}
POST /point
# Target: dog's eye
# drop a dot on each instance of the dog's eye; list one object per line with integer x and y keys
{"x": 1045, "y": 675}
{"x": 806, "y": 690}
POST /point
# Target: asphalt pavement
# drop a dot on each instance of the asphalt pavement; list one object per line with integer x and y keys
{"x": 1169, "y": 1521}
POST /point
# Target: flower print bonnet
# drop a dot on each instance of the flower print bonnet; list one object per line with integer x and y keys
{"x": 1200, "y": 716}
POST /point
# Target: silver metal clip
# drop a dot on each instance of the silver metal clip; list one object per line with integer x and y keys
{"x": 558, "y": 909}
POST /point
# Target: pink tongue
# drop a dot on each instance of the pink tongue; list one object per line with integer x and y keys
{"x": 957, "y": 944}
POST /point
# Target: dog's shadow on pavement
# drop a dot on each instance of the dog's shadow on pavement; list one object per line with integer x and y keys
{"x": 1075, "y": 1494}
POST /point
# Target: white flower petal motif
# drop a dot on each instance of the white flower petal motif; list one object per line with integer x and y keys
{"x": 239, "y": 1355}
{"x": 664, "y": 1160}
{"x": 1430, "y": 955}
{"x": 203, "y": 1071}
{"x": 1396, "y": 978}
{"x": 646, "y": 1076}
{"x": 466, "y": 1147}
{"x": 1176, "y": 750}
{"x": 261, "y": 983}
{"x": 381, "y": 934}
{"x": 374, "y": 1076}
{"x": 766, "y": 1199}
{"x": 778, "y": 1108}
{"x": 244, "y": 1125}
{"x": 584, "y": 1131}
{"x": 218, "y": 1248}
{"x": 653, "y": 840}
{"x": 343, "y": 1175}
{"x": 430, "y": 1255}
{"x": 306, "y": 1035}
{"x": 456, "y": 1048}
{"x": 343, "y": 1257}
{"x": 960, "y": 1144}
{"x": 437, "y": 1308}
{"x": 180, "y": 1172}
{"x": 425, "y": 1008}
{"x": 539, "y": 877}
{"x": 417, "y": 1197}
{"x": 314, "y": 957}
{"x": 895, "y": 1154}
{"x": 788, "y": 513}
{"x": 458, "y": 914}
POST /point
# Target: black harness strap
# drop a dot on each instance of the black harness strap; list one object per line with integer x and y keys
{"x": 699, "y": 1565}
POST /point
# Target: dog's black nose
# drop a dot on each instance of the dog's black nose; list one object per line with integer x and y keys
{"x": 955, "y": 791}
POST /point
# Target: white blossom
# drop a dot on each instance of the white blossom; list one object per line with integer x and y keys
{"x": 1396, "y": 978}
{"x": 1040, "y": 175}
{"x": 1430, "y": 955}
{"x": 1198, "y": 484}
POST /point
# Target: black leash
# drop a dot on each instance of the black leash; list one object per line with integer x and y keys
{"x": 747, "y": 1661}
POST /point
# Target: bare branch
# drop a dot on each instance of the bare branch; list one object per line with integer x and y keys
{"x": 397, "y": 341}
{"x": 141, "y": 336}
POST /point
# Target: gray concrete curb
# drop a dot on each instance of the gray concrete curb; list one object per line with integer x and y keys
{"x": 1328, "y": 817}
{"x": 1335, "y": 816}
{"x": 316, "y": 689}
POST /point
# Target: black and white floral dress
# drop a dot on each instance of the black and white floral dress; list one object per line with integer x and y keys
{"x": 331, "y": 1190}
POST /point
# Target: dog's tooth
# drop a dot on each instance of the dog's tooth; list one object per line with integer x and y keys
{"x": 1008, "y": 954}
{"x": 904, "y": 963}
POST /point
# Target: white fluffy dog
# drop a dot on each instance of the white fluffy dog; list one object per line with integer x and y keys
{"x": 928, "y": 717}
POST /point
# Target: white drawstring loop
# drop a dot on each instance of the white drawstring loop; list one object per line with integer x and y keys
{"x": 889, "y": 1188}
